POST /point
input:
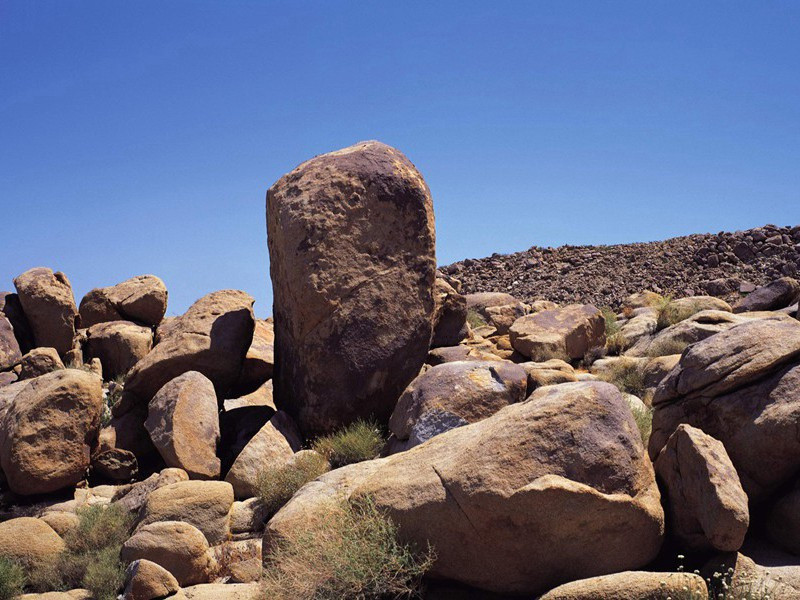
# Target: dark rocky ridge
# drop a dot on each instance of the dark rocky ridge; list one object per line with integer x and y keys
{"x": 715, "y": 264}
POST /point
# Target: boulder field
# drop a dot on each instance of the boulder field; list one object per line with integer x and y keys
{"x": 538, "y": 445}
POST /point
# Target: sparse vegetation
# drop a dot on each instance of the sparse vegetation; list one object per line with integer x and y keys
{"x": 351, "y": 552}
{"x": 360, "y": 441}
{"x": 616, "y": 343}
{"x": 627, "y": 376}
{"x": 91, "y": 558}
{"x": 475, "y": 319}
{"x": 644, "y": 421}
{"x": 12, "y": 579}
{"x": 666, "y": 313}
{"x": 666, "y": 347}
{"x": 276, "y": 486}
{"x": 112, "y": 396}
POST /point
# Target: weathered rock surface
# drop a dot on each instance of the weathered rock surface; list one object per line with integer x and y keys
{"x": 146, "y": 580}
{"x": 351, "y": 241}
{"x": 39, "y": 361}
{"x": 632, "y": 585}
{"x": 455, "y": 394}
{"x": 565, "y": 333}
{"x": 183, "y": 423}
{"x": 449, "y": 316}
{"x": 481, "y": 301}
{"x": 30, "y": 541}
{"x": 212, "y": 337}
{"x": 272, "y": 447}
{"x": 135, "y": 497}
{"x": 49, "y": 305}
{"x": 503, "y": 317}
{"x": 567, "y": 466}
{"x": 119, "y": 345}
{"x": 178, "y": 547}
{"x": 11, "y": 309}
{"x": 783, "y": 522}
{"x": 47, "y": 431}
{"x": 259, "y": 361}
{"x": 220, "y": 591}
{"x": 142, "y": 299}
{"x": 549, "y": 372}
{"x": 10, "y": 353}
{"x": 116, "y": 464}
{"x": 707, "y": 505}
{"x": 776, "y": 294}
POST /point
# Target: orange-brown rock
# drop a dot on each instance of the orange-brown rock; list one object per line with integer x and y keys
{"x": 142, "y": 299}
{"x": 49, "y": 305}
{"x": 119, "y": 345}
{"x": 30, "y": 541}
{"x": 567, "y": 333}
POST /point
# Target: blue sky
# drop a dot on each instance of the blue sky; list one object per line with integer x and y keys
{"x": 140, "y": 137}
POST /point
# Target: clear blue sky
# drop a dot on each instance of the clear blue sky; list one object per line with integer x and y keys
{"x": 140, "y": 137}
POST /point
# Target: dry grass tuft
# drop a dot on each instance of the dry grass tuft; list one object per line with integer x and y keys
{"x": 276, "y": 486}
{"x": 357, "y": 442}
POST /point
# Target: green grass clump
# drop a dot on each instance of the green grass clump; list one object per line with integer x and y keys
{"x": 12, "y": 579}
{"x": 351, "y": 552}
{"x": 475, "y": 319}
{"x": 275, "y": 487}
{"x": 91, "y": 557}
{"x": 615, "y": 341}
{"x": 357, "y": 442}
{"x": 628, "y": 377}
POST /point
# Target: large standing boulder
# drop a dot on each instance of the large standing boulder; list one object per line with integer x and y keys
{"x": 183, "y": 423}
{"x": 567, "y": 333}
{"x": 742, "y": 387}
{"x": 452, "y": 395}
{"x": 546, "y": 491}
{"x": 47, "y": 431}
{"x": 212, "y": 337}
{"x": 352, "y": 259}
{"x": 30, "y": 541}
{"x": 119, "y": 345}
{"x": 142, "y": 299}
{"x": 707, "y": 505}
{"x": 777, "y": 294}
{"x": 49, "y": 305}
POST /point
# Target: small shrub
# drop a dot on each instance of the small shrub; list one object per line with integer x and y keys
{"x": 475, "y": 319}
{"x": 276, "y": 486}
{"x": 352, "y": 552}
{"x": 628, "y": 377}
{"x": 104, "y": 574}
{"x": 12, "y": 579}
{"x": 355, "y": 443}
{"x": 644, "y": 421}
{"x": 666, "y": 347}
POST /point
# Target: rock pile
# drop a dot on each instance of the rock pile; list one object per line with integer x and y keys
{"x": 538, "y": 450}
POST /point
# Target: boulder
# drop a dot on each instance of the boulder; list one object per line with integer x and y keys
{"x": 178, "y": 547}
{"x": 78, "y": 594}
{"x": 204, "y": 504}
{"x": 119, "y": 345}
{"x": 549, "y": 372}
{"x": 449, "y": 315}
{"x": 183, "y": 423}
{"x": 455, "y": 394}
{"x": 47, "y": 431}
{"x": 116, "y": 464}
{"x": 741, "y": 387}
{"x": 690, "y": 305}
{"x": 546, "y": 491}
{"x": 146, "y": 580}
{"x": 566, "y": 333}
{"x": 259, "y": 361}
{"x": 133, "y": 497}
{"x": 39, "y": 361}
{"x": 248, "y": 517}
{"x": 262, "y": 396}
{"x": 643, "y": 299}
{"x": 657, "y": 368}
{"x": 142, "y": 299}
{"x": 351, "y": 243}
{"x": 212, "y": 337}
{"x": 783, "y": 521}
{"x": 272, "y": 447}
{"x": 10, "y": 353}
{"x": 237, "y": 428}
{"x": 221, "y": 591}
{"x": 503, "y": 317}
{"x": 7, "y": 378}
{"x": 765, "y": 574}
{"x": 706, "y": 503}
{"x": 30, "y": 541}
{"x": 11, "y": 309}
{"x": 777, "y": 294}
{"x": 643, "y": 324}
{"x": 61, "y": 521}
{"x": 439, "y": 356}
{"x": 239, "y": 561}
{"x": 49, "y": 305}
{"x": 633, "y": 585}
{"x": 481, "y": 301}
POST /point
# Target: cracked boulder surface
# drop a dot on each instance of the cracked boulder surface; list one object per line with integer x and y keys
{"x": 142, "y": 299}
{"x": 352, "y": 260}
{"x": 549, "y": 490}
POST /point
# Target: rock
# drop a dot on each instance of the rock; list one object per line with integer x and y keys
{"x": 49, "y": 305}
{"x": 643, "y": 324}
{"x": 503, "y": 317}
{"x": 204, "y": 504}
{"x": 259, "y": 361}
{"x": 11, "y": 309}
{"x": 116, "y": 464}
{"x": 449, "y": 315}
{"x": 272, "y": 447}
{"x": 778, "y": 294}
{"x": 239, "y": 561}
{"x": 439, "y": 356}
{"x": 566, "y": 466}
{"x": 7, "y": 378}
{"x": 550, "y": 372}
{"x": 565, "y": 333}
{"x": 30, "y": 541}
{"x": 237, "y": 427}
{"x": 61, "y": 521}
{"x": 632, "y": 585}
{"x": 783, "y": 522}
{"x": 221, "y": 591}
{"x": 248, "y": 517}
{"x": 261, "y": 397}
{"x": 643, "y": 299}
{"x": 78, "y": 594}
{"x": 455, "y": 394}
{"x": 707, "y": 505}
{"x": 657, "y": 368}
{"x": 212, "y": 338}
{"x": 46, "y": 432}
{"x": 10, "y": 353}
{"x": 39, "y": 361}
{"x": 351, "y": 242}
{"x": 483, "y": 300}
{"x": 741, "y": 387}
{"x": 183, "y": 423}
{"x": 134, "y": 497}
{"x": 142, "y": 299}
{"x": 127, "y": 432}
{"x": 119, "y": 345}
{"x": 146, "y": 580}
{"x": 775, "y": 575}
{"x": 690, "y": 305}
{"x": 178, "y": 547}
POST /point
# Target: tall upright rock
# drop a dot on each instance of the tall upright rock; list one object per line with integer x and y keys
{"x": 352, "y": 259}
{"x": 49, "y": 305}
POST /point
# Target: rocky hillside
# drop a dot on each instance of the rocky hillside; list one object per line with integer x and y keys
{"x": 715, "y": 264}
{"x": 387, "y": 436}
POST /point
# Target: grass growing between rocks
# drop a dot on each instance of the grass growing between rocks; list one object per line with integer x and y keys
{"x": 615, "y": 341}
{"x": 644, "y": 422}
{"x": 91, "y": 558}
{"x": 475, "y": 320}
{"x": 666, "y": 347}
{"x": 276, "y": 486}
{"x": 12, "y": 579}
{"x": 357, "y": 442}
{"x": 352, "y": 552}
{"x": 628, "y": 377}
